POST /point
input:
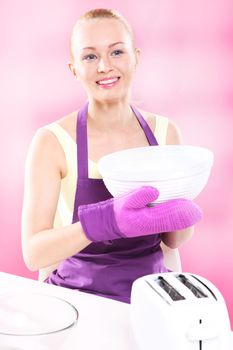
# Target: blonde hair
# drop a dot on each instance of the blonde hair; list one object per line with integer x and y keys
{"x": 100, "y": 13}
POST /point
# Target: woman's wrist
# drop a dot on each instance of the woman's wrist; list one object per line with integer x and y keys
{"x": 177, "y": 238}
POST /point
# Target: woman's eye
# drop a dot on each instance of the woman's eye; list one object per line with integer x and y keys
{"x": 89, "y": 57}
{"x": 117, "y": 52}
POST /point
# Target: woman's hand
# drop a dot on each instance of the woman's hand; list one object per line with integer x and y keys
{"x": 131, "y": 216}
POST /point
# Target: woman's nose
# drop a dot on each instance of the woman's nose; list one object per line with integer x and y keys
{"x": 104, "y": 65}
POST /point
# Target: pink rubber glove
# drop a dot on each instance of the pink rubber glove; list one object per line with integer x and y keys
{"x": 130, "y": 216}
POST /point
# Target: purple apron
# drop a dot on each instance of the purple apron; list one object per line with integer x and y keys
{"x": 106, "y": 268}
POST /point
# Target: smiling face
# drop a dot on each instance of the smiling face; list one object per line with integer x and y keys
{"x": 104, "y": 59}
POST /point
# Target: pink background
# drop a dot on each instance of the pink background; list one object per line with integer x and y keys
{"x": 185, "y": 73}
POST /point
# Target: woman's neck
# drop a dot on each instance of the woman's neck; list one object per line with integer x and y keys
{"x": 109, "y": 116}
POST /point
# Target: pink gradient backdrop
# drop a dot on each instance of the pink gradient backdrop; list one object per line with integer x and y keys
{"x": 185, "y": 73}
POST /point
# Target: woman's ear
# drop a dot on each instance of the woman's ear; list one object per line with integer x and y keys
{"x": 137, "y": 56}
{"x": 72, "y": 69}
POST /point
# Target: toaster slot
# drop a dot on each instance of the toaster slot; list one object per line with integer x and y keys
{"x": 194, "y": 289}
{"x": 171, "y": 291}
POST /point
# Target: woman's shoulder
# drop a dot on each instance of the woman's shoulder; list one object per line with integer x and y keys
{"x": 68, "y": 122}
{"x": 151, "y": 117}
{"x": 45, "y": 143}
{"x": 47, "y": 132}
{"x": 154, "y": 119}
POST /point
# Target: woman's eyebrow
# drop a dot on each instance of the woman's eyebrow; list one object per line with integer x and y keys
{"x": 94, "y": 48}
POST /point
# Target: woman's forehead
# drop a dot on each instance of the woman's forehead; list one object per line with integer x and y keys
{"x": 101, "y": 31}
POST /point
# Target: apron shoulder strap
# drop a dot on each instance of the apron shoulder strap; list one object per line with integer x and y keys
{"x": 81, "y": 140}
{"x": 148, "y": 132}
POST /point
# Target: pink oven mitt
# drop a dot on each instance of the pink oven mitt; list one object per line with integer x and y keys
{"x": 130, "y": 215}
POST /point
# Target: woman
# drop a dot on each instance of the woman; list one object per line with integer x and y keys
{"x": 103, "y": 247}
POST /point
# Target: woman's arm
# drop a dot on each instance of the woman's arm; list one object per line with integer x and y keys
{"x": 175, "y": 239}
{"x": 42, "y": 244}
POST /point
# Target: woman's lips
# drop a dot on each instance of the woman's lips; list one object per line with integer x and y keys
{"x": 108, "y": 82}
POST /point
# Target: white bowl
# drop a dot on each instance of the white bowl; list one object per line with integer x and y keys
{"x": 177, "y": 171}
{"x": 35, "y": 321}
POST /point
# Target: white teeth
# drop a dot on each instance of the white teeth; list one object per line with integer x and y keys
{"x": 105, "y": 82}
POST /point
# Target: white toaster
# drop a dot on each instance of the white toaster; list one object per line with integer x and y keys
{"x": 179, "y": 311}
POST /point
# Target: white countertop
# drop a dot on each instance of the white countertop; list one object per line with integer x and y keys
{"x": 103, "y": 323}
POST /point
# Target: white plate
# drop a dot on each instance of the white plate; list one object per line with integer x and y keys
{"x": 35, "y": 321}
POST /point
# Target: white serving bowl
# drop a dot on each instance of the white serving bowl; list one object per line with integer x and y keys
{"x": 35, "y": 321}
{"x": 177, "y": 171}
